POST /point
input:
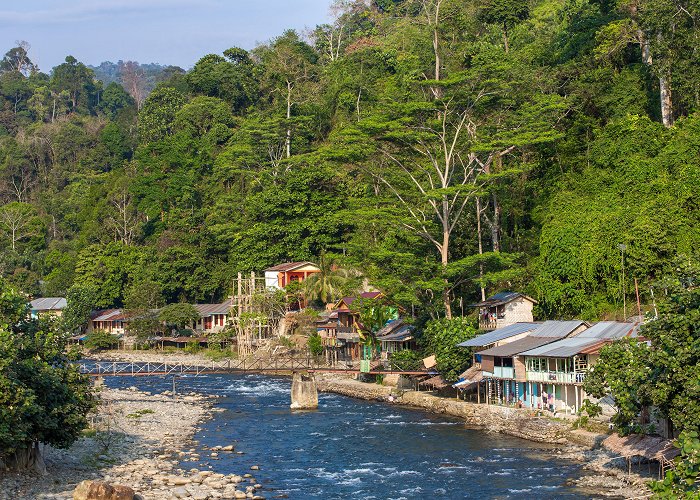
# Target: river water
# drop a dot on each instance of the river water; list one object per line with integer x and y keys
{"x": 353, "y": 449}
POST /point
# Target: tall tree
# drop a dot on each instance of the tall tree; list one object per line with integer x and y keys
{"x": 288, "y": 63}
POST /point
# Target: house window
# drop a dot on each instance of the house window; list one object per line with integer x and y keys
{"x": 536, "y": 364}
{"x": 564, "y": 365}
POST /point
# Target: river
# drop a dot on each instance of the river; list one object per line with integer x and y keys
{"x": 361, "y": 449}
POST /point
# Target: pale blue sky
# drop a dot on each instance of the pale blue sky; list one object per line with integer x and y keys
{"x": 164, "y": 31}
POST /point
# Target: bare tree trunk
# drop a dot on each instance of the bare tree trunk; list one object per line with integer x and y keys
{"x": 664, "y": 82}
{"x": 666, "y": 101}
{"x": 481, "y": 247}
{"x": 496, "y": 225}
{"x": 288, "y": 141}
{"x": 445, "y": 256}
{"x": 505, "y": 38}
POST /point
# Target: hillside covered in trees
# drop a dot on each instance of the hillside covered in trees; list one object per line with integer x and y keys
{"x": 440, "y": 146}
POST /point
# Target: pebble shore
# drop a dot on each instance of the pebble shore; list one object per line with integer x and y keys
{"x": 142, "y": 440}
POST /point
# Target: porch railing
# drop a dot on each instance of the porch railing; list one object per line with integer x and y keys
{"x": 556, "y": 377}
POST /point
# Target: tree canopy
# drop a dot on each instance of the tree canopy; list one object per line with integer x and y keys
{"x": 445, "y": 148}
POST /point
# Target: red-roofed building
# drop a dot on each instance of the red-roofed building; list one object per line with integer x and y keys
{"x": 281, "y": 275}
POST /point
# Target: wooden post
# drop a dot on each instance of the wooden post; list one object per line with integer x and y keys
{"x": 566, "y": 399}
{"x": 576, "y": 392}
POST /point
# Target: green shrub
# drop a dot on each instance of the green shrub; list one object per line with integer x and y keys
{"x": 405, "y": 360}
{"x": 682, "y": 480}
{"x": 99, "y": 339}
{"x": 315, "y": 344}
{"x": 441, "y": 337}
{"x": 193, "y": 347}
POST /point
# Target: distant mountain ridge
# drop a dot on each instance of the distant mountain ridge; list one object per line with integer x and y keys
{"x": 136, "y": 78}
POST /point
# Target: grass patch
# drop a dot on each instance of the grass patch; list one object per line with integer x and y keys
{"x": 218, "y": 354}
{"x": 89, "y": 433}
{"x": 140, "y": 413}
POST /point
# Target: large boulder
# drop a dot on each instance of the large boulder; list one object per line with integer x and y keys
{"x": 100, "y": 490}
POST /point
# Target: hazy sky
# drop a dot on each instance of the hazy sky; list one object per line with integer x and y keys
{"x": 164, "y": 31}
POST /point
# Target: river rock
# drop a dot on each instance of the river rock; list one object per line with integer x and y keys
{"x": 181, "y": 492}
{"x": 227, "y": 448}
{"x": 100, "y": 490}
{"x": 254, "y": 467}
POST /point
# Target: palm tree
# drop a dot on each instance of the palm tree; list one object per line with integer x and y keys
{"x": 329, "y": 283}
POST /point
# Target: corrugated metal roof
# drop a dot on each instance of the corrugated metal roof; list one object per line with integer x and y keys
{"x": 209, "y": 309}
{"x": 110, "y": 315}
{"x": 517, "y": 346}
{"x": 401, "y": 335}
{"x": 611, "y": 330}
{"x": 364, "y": 295}
{"x": 499, "y": 334}
{"x": 289, "y": 266}
{"x": 503, "y": 298}
{"x": 595, "y": 348}
{"x": 563, "y": 348}
{"x": 557, "y": 329}
{"x": 390, "y": 327}
{"x": 48, "y": 304}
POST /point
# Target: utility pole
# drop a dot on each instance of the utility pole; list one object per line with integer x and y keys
{"x": 622, "y": 248}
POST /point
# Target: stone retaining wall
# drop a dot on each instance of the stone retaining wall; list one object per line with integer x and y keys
{"x": 512, "y": 421}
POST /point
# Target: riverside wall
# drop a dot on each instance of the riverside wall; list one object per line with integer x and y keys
{"x": 516, "y": 422}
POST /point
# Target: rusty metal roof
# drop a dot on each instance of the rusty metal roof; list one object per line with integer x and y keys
{"x": 516, "y": 347}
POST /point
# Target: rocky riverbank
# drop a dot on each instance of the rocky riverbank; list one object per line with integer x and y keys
{"x": 139, "y": 440}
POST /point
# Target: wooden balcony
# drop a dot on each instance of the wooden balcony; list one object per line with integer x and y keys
{"x": 556, "y": 377}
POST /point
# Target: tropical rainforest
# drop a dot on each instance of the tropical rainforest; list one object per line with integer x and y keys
{"x": 447, "y": 149}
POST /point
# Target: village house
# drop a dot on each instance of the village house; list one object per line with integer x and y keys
{"x": 503, "y": 309}
{"x": 53, "y": 306}
{"x": 112, "y": 321}
{"x": 213, "y": 318}
{"x": 558, "y": 369}
{"x": 504, "y": 371}
{"x": 340, "y": 332}
{"x": 394, "y": 337}
{"x": 500, "y": 336}
{"x": 281, "y": 275}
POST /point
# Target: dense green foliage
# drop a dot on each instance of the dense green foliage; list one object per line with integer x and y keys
{"x": 43, "y": 397}
{"x": 667, "y": 373}
{"x": 439, "y": 147}
{"x": 682, "y": 480}
{"x": 315, "y": 344}
{"x": 99, "y": 340}
{"x": 441, "y": 337}
{"x": 180, "y": 315}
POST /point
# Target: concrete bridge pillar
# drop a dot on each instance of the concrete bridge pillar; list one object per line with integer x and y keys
{"x": 304, "y": 392}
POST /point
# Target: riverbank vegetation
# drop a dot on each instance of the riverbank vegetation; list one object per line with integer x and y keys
{"x": 43, "y": 397}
